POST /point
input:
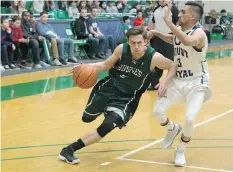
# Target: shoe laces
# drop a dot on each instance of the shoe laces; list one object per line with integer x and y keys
{"x": 179, "y": 153}
{"x": 169, "y": 134}
{"x": 69, "y": 151}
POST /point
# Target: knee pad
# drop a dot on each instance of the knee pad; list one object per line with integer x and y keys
{"x": 89, "y": 118}
{"x": 188, "y": 128}
{"x": 159, "y": 112}
{"x": 111, "y": 121}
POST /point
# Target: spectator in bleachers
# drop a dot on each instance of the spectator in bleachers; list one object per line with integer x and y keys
{"x": 48, "y": 32}
{"x": 5, "y": 4}
{"x": 32, "y": 19}
{"x": 7, "y": 45}
{"x": 225, "y": 18}
{"x": 35, "y": 40}
{"x": 103, "y": 7}
{"x": 126, "y": 6}
{"x": 73, "y": 9}
{"x": 120, "y": 7}
{"x": 83, "y": 4}
{"x": 22, "y": 8}
{"x": 48, "y": 6}
{"x": 96, "y": 3}
{"x": 139, "y": 20}
{"x": 14, "y": 8}
{"x": 126, "y": 25}
{"x": 135, "y": 8}
{"x": 146, "y": 7}
{"x": 82, "y": 33}
{"x": 37, "y": 6}
{"x": 111, "y": 8}
{"x": 89, "y": 5}
{"x": 93, "y": 28}
{"x": 62, "y": 5}
{"x": 20, "y": 42}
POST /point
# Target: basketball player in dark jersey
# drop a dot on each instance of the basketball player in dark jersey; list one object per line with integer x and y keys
{"x": 118, "y": 95}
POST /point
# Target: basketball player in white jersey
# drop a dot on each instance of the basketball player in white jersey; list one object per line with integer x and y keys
{"x": 191, "y": 81}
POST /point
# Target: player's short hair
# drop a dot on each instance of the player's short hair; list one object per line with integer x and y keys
{"x": 136, "y": 30}
{"x": 197, "y": 7}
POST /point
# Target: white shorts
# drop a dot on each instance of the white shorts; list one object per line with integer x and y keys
{"x": 183, "y": 90}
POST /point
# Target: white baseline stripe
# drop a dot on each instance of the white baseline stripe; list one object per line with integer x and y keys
{"x": 160, "y": 140}
{"x": 169, "y": 164}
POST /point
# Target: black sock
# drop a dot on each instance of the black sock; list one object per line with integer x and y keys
{"x": 77, "y": 145}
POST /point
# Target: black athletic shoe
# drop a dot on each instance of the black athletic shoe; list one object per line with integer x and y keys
{"x": 67, "y": 155}
{"x": 63, "y": 61}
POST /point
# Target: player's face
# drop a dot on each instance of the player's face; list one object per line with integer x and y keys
{"x": 137, "y": 44}
{"x": 185, "y": 15}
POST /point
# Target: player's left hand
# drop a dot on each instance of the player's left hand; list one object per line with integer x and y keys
{"x": 167, "y": 11}
{"x": 162, "y": 88}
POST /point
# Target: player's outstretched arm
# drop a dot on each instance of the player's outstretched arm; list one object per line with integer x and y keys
{"x": 161, "y": 62}
{"x": 197, "y": 39}
{"x": 110, "y": 61}
{"x": 164, "y": 36}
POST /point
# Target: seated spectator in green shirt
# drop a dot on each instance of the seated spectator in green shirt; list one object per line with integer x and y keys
{"x": 126, "y": 26}
{"x": 226, "y": 17}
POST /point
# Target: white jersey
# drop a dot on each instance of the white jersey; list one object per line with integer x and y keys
{"x": 190, "y": 60}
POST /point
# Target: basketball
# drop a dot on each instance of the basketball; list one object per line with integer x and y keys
{"x": 85, "y": 76}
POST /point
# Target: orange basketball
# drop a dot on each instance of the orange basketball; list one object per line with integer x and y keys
{"x": 85, "y": 76}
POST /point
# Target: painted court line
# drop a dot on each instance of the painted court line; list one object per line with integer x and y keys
{"x": 169, "y": 164}
{"x": 160, "y": 140}
{"x": 105, "y": 163}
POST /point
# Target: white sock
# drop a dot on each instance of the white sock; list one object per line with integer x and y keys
{"x": 182, "y": 146}
{"x": 170, "y": 125}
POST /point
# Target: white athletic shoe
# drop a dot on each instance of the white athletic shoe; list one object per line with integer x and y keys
{"x": 170, "y": 136}
{"x": 179, "y": 158}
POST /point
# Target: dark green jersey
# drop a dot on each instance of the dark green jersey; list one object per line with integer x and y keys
{"x": 130, "y": 75}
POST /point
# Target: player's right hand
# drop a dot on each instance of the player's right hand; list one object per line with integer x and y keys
{"x": 73, "y": 68}
{"x": 162, "y": 88}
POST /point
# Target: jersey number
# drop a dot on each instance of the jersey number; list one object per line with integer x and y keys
{"x": 179, "y": 62}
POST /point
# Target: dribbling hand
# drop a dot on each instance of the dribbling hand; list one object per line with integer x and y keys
{"x": 73, "y": 68}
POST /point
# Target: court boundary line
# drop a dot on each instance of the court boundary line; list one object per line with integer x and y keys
{"x": 122, "y": 157}
{"x": 170, "y": 164}
{"x": 160, "y": 140}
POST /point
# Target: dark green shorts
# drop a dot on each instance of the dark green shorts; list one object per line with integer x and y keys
{"x": 105, "y": 97}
